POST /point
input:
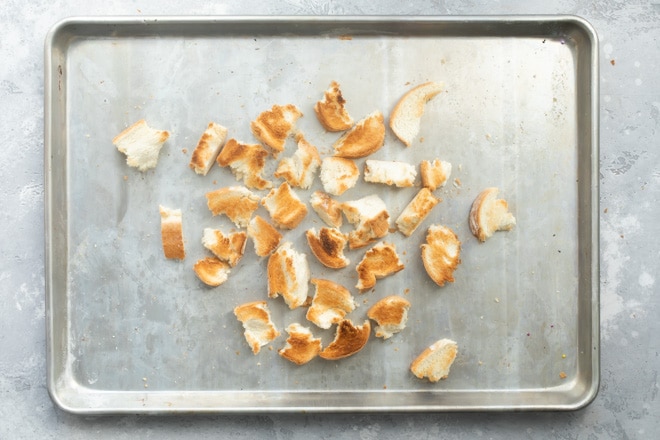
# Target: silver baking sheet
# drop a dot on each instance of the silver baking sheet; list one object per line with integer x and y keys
{"x": 132, "y": 332}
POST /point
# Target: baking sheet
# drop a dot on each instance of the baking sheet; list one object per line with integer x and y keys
{"x": 130, "y": 331}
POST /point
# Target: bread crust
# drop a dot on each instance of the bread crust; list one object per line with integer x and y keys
{"x": 391, "y": 314}
{"x": 328, "y": 209}
{"x": 226, "y": 247}
{"x": 435, "y": 361}
{"x": 441, "y": 254}
{"x": 246, "y": 161}
{"x": 288, "y": 275}
{"x": 362, "y": 140}
{"x": 488, "y": 214}
{"x": 301, "y": 345}
{"x": 330, "y": 304}
{"x": 407, "y": 113}
{"x": 171, "y": 231}
{"x": 349, "y": 339}
{"x": 299, "y": 170}
{"x": 207, "y": 148}
{"x": 378, "y": 262}
{"x": 256, "y": 320}
{"x": 264, "y": 235}
{"x": 236, "y": 202}
{"x": 331, "y": 111}
{"x": 212, "y": 271}
{"x": 284, "y": 207}
{"x": 434, "y": 173}
{"x": 416, "y": 211}
{"x": 273, "y": 126}
{"x": 328, "y": 247}
{"x": 370, "y": 217}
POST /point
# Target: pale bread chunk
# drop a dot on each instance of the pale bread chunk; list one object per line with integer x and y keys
{"x": 299, "y": 169}
{"x": 288, "y": 275}
{"x": 328, "y": 209}
{"x": 227, "y": 247}
{"x": 338, "y": 175}
{"x": 441, "y": 254}
{"x": 349, "y": 339}
{"x": 434, "y": 362}
{"x": 330, "y": 304}
{"x": 236, "y": 202}
{"x": 365, "y": 138}
{"x": 370, "y": 217}
{"x": 328, "y": 247}
{"x": 407, "y": 114}
{"x": 171, "y": 231}
{"x": 246, "y": 161}
{"x": 301, "y": 345}
{"x": 284, "y": 206}
{"x": 273, "y": 126}
{"x": 416, "y": 211}
{"x": 256, "y": 320}
{"x": 207, "y": 148}
{"x": 264, "y": 235}
{"x": 390, "y": 172}
{"x": 391, "y": 314}
{"x": 141, "y": 144}
{"x": 379, "y": 261}
{"x": 434, "y": 173}
{"x": 489, "y": 214}
{"x": 212, "y": 271}
{"x": 331, "y": 111}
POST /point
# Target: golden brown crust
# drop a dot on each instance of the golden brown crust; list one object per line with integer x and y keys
{"x": 416, "y": 211}
{"x": 391, "y": 314}
{"x": 365, "y": 138}
{"x": 299, "y": 170}
{"x": 433, "y": 174}
{"x": 259, "y": 329}
{"x": 207, "y": 148}
{"x": 330, "y": 110}
{"x": 406, "y": 115}
{"x": 328, "y": 247}
{"x": 349, "y": 339}
{"x": 247, "y": 162}
{"x": 301, "y": 345}
{"x": 273, "y": 126}
{"x": 441, "y": 254}
{"x": 435, "y": 361}
{"x": 328, "y": 209}
{"x": 236, "y": 202}
{"x": 330, "y": 304}
{"x": 489, "y": 214}
{"x": 379, "y": 262}
{"x": 266, "y": 238}
{"x": 212, "y": 271}
{"x": 288, "y": 275}
{"x": 228, "y": 248}
{"x": 171, "y": 231}
{"x": 284, "y": 206}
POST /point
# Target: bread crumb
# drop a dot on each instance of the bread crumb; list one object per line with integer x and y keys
{"x": 421, "y": 140}
{"x": 125, "y": 177}
{"x": 384, "y": 387}
{"x": 457, "y": 182}
{"x": 613, "y": 62}
{"x": 562, "y": 375}
{"x": 184, "y": 150}
{"x": 563, "y": 356}
{"x": 497, "y": 300}
{"x": 345, "y": 37}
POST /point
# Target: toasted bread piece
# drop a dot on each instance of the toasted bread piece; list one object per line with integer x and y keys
{"x": 288, "y": 275}
{"x": 441, "y": 254}
{"x": 246, "y": 161}
{"x": 416, "y": 211}
{"x": 207, "y": 148}
{"x": 391, "y": 314}
{"x": 379, "y": 262}
{"x": 266, "y": 238}
{"x": 390, "y": 172}
{"x": 407, "y": 114}
{"x": 338, "y": 175}
{"x": 141, "y": 144}
{"x": 301, "y": 345}
{"x": 434, "y": 174}
{"x": 365, "y": 138}
{"x": 434, "y": 362}
{"x": 328, "y": 247}
{"x": 489, "y": 214}
{"x": 236, "y": 202}
{"x": 212, "y": 271}
{"x": 330, "y": 110}
{"x": 228, "y": 248}
{"x": 171, "y": 231}
{"x": 370, "y": 217}
{"x": 328, "y": 209}
{"x": 349, "y": 339}
{"x": 330, "y": 304}
{"x": 273, "y": 126}
{"x": 299, "y": 170}
{"x": 284, "y": 206}
{"x": 259, "y": 328}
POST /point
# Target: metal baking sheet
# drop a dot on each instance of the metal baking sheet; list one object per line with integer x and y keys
{"x": 132, "y": 332}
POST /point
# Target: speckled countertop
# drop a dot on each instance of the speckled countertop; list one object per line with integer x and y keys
{"x": 627, "y": 405}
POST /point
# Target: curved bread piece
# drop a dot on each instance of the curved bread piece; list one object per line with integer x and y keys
{"x": 365, "y": 138}
{"x": 259, "y": 328}
{"x": 301, "y": 345}
{"x": 328, "y": 209}
{"x": 390, "y": 172}
{"x": 236, "y": 202}
{"x": 349, "y": 339}
{"x": 370, "y": 217}
{"x": 228, "y": 248}
{"x": 489, "y": 214}
{"x": 212, "y": 271}
{"x": 264, "y": 235}
{"x": 330, "y": 304}
{"x": 441, "y": 254}
{"x": 207, "y": 148}
{"x": 288, "y": 275}
{"x": 284, "y": 207}
{"x": 434, "y": 173}
{"x": 330, "y": 110}
{"x": 406, "y": 116}
{"x": 273, "y": 126}
{"x": 299, "y": 169}
{"x": 141, "y": 144}
{"x": 391, "y": 314}
{"x": 338, "y": 175}
{"x": 246, "y": 161}
{"x": 434, "y": 362}
{"x": 416, "y": 211}
{"x": 379, "y": 262}
{"x": 328, "y": 247}
{"x": 171, "y": 231}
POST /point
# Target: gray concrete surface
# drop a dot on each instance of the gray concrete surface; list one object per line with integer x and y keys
{"x": 628, "y": 404}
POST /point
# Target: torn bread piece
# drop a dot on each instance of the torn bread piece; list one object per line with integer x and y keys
{"x": 299, "y": 169}
{"x": 331, "y": 111}
{"x": 171, "y": 231}
{"x": 273, "y": 126}
{"x": 379, "y": 261}
{"x": 390, "y": 172}
{"x": 330, "y": 304}
{"x": 236, "y": 202}
{"x": 328, "y": 209}
{"x": 441, "y": 254}
{"x": 301, "y": 345}
{"x": 370, "y": 217}
{"x": 328, "y": 247}
{"x": 264, "y": 235}
{"x": 227, "y": 247}
{"x": 212, "y": 271}
{"x": 489, "y": 214}
{"x": 256, "y": 320}
{"x": 434, "y": 173}
{"x": 365, "y": 138}
{"x": 288, "y": 275}
{"x": 207, "y": 148}
{"x": 434, "y": 362}
{"x": 141, "y": 144}
{"x": 416, "y": 211}
{"x": 391, "y": 315}
{"x": 284, "y": 206}
{"x": 246, "y": 161}
{"x": 338, "y": 175}
{"x": 407, "y": 114}
{"x": 349, "y": 339}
